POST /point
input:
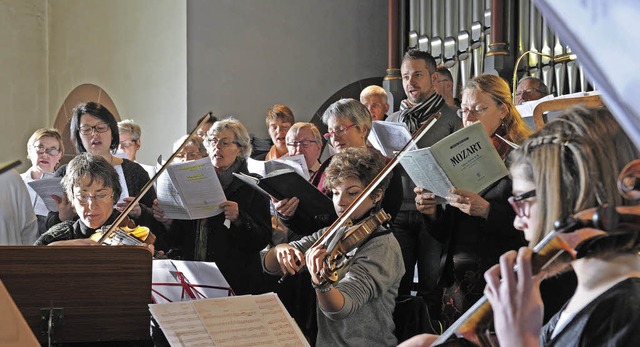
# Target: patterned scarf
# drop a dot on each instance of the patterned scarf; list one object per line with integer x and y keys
{"x": 414, "y": 115}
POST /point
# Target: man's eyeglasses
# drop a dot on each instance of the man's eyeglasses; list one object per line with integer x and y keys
{"x": 528, "y": 91}
{"x": 127, "y": 144}
{"x": 220, "y": 143}
{"x": 519, "y": 202}
{"x": 84, "y": 198}
{"x": 50, "y": 151}
{"x": 337, "y": 132}
{"x": 99, "y": 128}
{"x": 464, "y": 112}
{"x": 302, "y": 144}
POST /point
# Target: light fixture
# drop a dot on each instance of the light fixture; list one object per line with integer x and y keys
{"x": 558, "y": 59}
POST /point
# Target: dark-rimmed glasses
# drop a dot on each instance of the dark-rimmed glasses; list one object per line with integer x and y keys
{"x": 519, "y": 202}
{"x": 338, "y": 132}
{"x": 50, "y": 151}
{"x": 99, "y": 128}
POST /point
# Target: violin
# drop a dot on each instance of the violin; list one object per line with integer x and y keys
{"x": 344, "y": 219}
{"x": 571, "y": 239}
{"x": 127, "y": 233}
{"x": 353, "y": 238}
{"x": 123, "y": 231}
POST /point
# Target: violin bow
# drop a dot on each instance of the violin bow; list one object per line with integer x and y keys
{"x": 149, "y": 184}
{"x": 371, "y": 187}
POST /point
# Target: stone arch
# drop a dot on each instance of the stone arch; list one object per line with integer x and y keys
{"x": 82, "y": 93}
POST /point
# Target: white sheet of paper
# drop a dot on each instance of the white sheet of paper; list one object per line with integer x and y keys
{"x": 198, "y": 273}
{"x": 248, "y": 320}
{"x": 389, "y": 137}
{"x": 46, "y": 187}
{"x": 195, "y": 191}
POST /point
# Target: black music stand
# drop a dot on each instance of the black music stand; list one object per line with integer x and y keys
{"x": 87, "y": 293}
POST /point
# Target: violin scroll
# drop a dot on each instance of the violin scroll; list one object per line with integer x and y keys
{"x": 629, "y": 181}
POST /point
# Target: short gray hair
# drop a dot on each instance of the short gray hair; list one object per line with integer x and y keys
{"x": 374, "y": 90}
{"x": 239, "y": 131}
{"x": 351, "y": 109}
{"x": 129, "y": 126}
{"x": 94, "y": 167}
{"x": 295, "y": 130}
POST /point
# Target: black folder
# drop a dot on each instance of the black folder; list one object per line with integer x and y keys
{"x": 283, "y": 184}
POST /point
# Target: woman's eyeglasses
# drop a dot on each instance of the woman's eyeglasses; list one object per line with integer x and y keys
{"x": 220, "y": 143}
{"x": 465, "y": 112}
{"x": 50, "y": 151}
{"x": 302, "y": 144}
{"x": 99, "y": 128}
{"x": 519, "y": 202}
{"x": 337, "y": 132}
{"x": 84, "y": 198}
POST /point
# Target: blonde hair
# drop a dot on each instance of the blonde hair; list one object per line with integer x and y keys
{"x": 574, "y": 162}
{"x": 517, "y": 129}
{"x": 44, "y": 132}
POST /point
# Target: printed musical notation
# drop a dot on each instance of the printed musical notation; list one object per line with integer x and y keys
{"x": 248, "y": 320}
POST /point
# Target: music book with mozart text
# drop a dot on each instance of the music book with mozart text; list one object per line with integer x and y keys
{"x": 465, "y": 160}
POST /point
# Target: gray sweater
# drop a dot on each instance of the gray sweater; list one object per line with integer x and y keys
{"x": 369, "y": 284}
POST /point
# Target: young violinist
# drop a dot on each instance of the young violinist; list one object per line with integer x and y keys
{"x": 355, "y": 310}
{"x": 567, "y": 167}
{"x": 93, "y": 186}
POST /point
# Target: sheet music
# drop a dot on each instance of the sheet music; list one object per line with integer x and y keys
{"x": 46, "y": 187}
{"x": 181, "y": 325}
{"x": 389, "y": 137}
{"x": 190, "y": 190}
{"x": 248, "y": 320}
{"x": 264, "y": 168}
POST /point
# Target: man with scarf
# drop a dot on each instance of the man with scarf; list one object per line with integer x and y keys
{"x": 419, "y": 76}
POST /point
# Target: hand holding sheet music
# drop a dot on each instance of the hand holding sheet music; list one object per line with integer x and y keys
{"x": 190, "y": 190}
{"x": 465, "y": 160}
{"x": 46, "y": 187}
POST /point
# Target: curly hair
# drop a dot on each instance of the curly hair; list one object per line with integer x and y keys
{"x": 361, "y": 163}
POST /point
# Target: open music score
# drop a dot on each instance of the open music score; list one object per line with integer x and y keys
{"x": 247, "y": 320}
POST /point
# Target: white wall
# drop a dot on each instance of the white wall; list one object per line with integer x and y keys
{"x": 243, "y": 57}
{"x": 246, "y": 55}
{"x": 135, "y": 50}
{"x": 23, "y": 75}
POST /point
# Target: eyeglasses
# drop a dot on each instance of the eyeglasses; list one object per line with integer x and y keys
{"x": 519, "y": 202}
{"x": 50, "y": 151}
{"x": 302, "y": 144}
{"x": 528, "y": 91}
{"x": 189, "y": 155}
{"x": 99, "y": 128}
{"x": 127, "y": 144}
{"x": 84, "y": 198}
{"x": 220, "y": 143}
{"x": 464, "y": 112}
{"x": 338, "y": 132}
